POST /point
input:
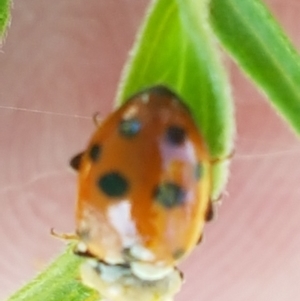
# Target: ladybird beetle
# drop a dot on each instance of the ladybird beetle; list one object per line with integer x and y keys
{"x": 143, "y": 191}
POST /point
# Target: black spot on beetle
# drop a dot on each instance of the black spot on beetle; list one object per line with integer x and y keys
{"x": 113, "y": 184}
{"x": 175, "y": 135}
{"x": 129, "y": 128}
{"x": 169, "y": 195}
{"x": 75, "y": 161}
{"x": 95, "y": 152}
{"x": 210, "y": 212}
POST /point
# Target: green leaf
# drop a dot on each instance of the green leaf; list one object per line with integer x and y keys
{"x": 175, "y": 48}
{"x": 4, "y": 17}
{"x": 60, "y": 281}
{"x": 255, "y": 40}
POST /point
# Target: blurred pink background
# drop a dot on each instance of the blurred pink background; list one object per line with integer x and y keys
{"x": 61, "y": 63}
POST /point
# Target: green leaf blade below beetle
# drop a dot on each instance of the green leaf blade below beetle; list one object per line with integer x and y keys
{"x": 58, "y": 282}
{"x": 175, "y": 49}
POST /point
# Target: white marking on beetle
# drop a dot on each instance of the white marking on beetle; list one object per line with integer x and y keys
{"x": 129, "y": 287}
{"x": 141, "y": 253}
{"x": 82, "y": 247}
{"x": 150, "y": 272}
{"x": 121, "y": 219}
{"x": 114, "y": 257}
{"x": 103, "y": 232}
{"x": 93, "y": 263}
{"x": 111, "y": 273}
{"x": 130, "y": 112}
